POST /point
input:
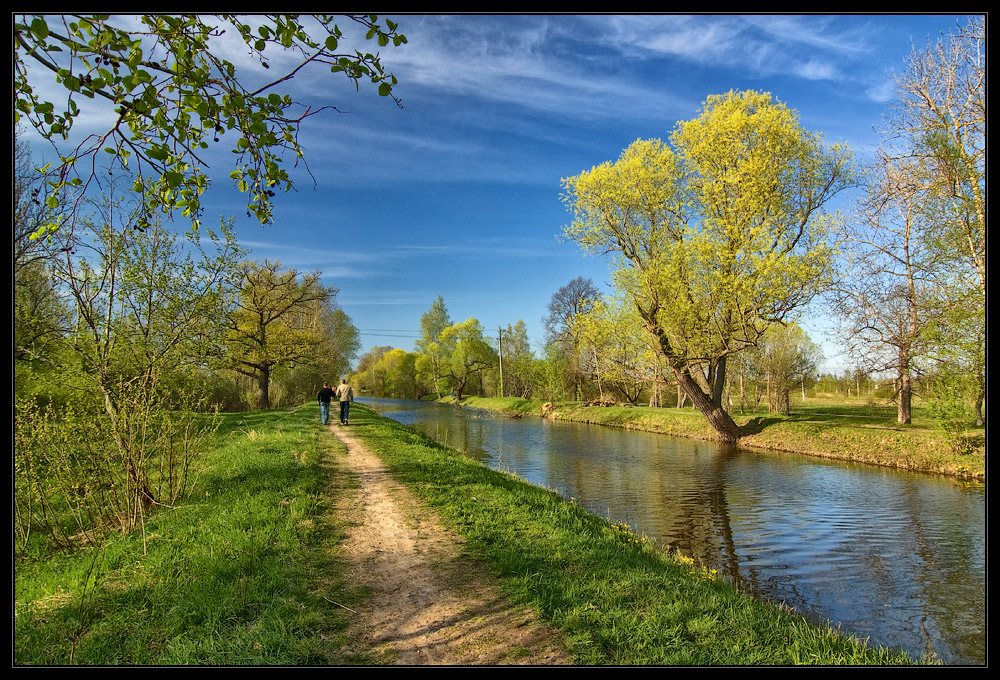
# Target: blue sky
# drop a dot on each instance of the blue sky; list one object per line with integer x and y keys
{"x": 458, "y": 193}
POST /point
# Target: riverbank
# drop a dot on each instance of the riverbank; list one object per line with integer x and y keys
{"x": 257, "y": 566}
{"x": 615, "y": 598}
{"x": 825, "y": 430}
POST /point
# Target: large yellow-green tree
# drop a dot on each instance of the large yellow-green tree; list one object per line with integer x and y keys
{"x": 469, "y": 354}
{"x": 715, "y": 236}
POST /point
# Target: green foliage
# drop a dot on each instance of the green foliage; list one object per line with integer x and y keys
{"x": 79, "y": 474}
{"x": 520, "y": 367}
{"x": 787, "y": 357}
{"x": 919, "y": 274}
{"x": 432, "y": 355}
{"x": 40, "y": 316}
{"x": 469, "y": 355}
{"x": 240, "y": 572}
{"x": 171, "y": 93}
{"x": 555, "y": 367}
{"x": 950, "y": 396}
{"x": 561, "y": 326}
{"x": 717, "y": 236}
{"x": 141, "y": 301}
{"x": 617, "y": 347}
{"x": 283, "y": 318}
{"x": 387, "y": 372}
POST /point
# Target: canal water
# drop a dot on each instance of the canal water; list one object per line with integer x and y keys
{"x": 896, "y": 557}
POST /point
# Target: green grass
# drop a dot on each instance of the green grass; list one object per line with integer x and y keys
{"x": 245, "y": 571}
{"x": 615, "y": 598}
{"x": 242, "y": 572}
{"x": 837, "y": 428}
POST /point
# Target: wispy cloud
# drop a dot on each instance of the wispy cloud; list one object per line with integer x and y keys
{"x": 384, "y": 261}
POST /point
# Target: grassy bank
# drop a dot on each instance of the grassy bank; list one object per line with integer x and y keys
{"x": 245, "y": 571}
{"x": 616, "y": 599}
{"x": 241, "y": 572}
{"x": 828, "y": 428}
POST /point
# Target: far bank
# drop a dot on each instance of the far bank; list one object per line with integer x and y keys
{"x": 830, "y": 429}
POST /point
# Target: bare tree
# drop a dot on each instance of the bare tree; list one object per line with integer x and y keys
{"x": 567, "y": 306}
{"x": 887, "y": 294}
{"x": 939, "y": 119}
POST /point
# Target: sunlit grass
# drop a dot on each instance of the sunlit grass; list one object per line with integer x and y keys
{"x": 616, "y": 598}
{"x": 241, "y": 572}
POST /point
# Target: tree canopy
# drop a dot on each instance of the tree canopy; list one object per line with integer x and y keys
{"x": 717, "y": 235}
{"x": 171, "y": 91}
{"x": 279, "y": 318}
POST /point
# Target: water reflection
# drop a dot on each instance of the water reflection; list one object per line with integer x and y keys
{"x": 895, "y": 556}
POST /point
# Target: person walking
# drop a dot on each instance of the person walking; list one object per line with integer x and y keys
{"x": 346, "y": 397}
{"x": 324, "y": 397}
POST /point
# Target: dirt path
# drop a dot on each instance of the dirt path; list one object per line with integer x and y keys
{"x": 430, "y": 605}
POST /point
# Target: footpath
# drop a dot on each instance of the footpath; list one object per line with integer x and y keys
{"x": 430, "y": 605}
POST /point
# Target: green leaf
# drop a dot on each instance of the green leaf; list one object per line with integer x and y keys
{"x": 40, "y": 28}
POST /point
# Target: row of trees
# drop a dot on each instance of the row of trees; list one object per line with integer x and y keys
{"x": 123, "y": 327}
{"x": 121, "y": 334}
{"x": 114, "y": 303}
{"x": 719, "y": 237}
{"x": 596, "y": 350}
{"x": 911, "y": 294}
{"x": 449, "y": 358}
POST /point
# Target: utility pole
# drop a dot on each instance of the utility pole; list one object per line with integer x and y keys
{"x": 500, "y": 351}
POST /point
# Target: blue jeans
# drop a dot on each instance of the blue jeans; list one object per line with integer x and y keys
{"x": 324, "y": 411}
{"x": 345, "y": 408}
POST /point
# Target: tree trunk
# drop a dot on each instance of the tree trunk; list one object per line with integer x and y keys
{"x": 905, "y": 397}
{"x": 905, "y": 389}
{"x": 717, "y": 417}
{"x": 263, "y": 381}
{"x": 717, "y": 379}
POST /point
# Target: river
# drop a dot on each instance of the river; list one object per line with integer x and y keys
{"x": 896, "y": 557}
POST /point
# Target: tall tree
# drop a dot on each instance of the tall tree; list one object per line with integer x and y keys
{"x": 566, "y": 308}
{"x": 619, "y": 348}
{"x": 938, "y": 123}
{"x": 886, "y": 296}
{"x": 788, "y": 357}
{"x": 469, "y": 354}
{"x": 370, "y": 374}
{"x": 715, "y": 239}
{"x": 168, "y": 91}
{"x": 432, "y": 354}
{"x": 520, "y": 367}
{"x": 143, "y": 307}
{"x": 940, "y": 119}
{"x": 277, "y": 319}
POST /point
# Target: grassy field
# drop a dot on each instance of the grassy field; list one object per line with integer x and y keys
{"x": 246, "y": 572}
{"x": 828, "y": 427}
{"x": 242, "y": 572}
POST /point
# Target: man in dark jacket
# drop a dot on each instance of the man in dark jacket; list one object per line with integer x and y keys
{"x": 324, "y": 397}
